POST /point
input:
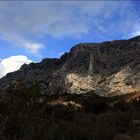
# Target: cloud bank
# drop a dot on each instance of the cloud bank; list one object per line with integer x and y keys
{"x": 12, "y": 63}
{"x": 24, "y": 23}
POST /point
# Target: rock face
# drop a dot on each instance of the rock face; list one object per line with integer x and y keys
{"x": 109, "y": 68}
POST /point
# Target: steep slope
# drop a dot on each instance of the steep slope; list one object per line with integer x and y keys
{"x": 109, "y": 68}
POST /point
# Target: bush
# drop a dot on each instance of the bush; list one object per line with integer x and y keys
{"x": 109, "y": 124}
{"x": 122, "y": 137}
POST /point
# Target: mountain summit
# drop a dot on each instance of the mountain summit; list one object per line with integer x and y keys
{"x": 110, "y": 68}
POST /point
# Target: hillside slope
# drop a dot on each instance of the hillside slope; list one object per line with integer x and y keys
{"x": 109, "y": 68}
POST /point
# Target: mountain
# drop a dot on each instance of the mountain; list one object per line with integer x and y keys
{"x": 109, "y": 68}
{"x": 46, "y": 100}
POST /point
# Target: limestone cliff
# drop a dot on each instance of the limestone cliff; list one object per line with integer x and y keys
{"x": 109, "y": 68}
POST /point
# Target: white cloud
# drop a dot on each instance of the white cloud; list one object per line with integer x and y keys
{"x": 12, "y": 63}
{"x": 30, "y": 46}
{"x": 24, "y": 22}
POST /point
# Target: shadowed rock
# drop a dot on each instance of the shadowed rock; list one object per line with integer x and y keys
{"x": 109, "y": 68}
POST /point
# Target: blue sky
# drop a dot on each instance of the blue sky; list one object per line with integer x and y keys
{"x": 32, "y": 30}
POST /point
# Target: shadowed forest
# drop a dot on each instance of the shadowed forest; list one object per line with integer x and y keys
{"x": 27, "y": 115}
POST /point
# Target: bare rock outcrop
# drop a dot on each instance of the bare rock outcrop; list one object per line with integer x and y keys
{"x": 109, "y": 68}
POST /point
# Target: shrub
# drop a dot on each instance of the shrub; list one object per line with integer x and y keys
{"x": 122, "y": 137}
{"x": 109, "y": 124}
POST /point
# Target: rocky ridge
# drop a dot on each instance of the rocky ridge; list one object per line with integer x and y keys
{"x": 110, "y": 68}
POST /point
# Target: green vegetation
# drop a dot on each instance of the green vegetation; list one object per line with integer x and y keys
{"x": 26, "y": 115}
